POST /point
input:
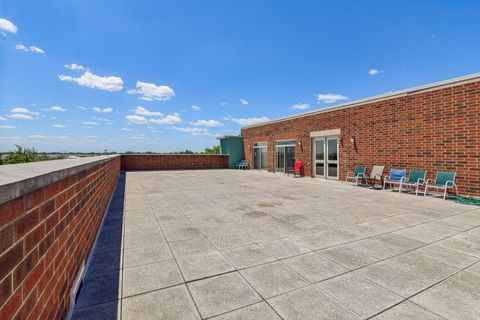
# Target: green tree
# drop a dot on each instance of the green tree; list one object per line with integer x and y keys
{"x": 22, "y": 155}
{"x": 212, "y": 150}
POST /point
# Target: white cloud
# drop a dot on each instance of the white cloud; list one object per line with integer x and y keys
{"x": 91, "y": 80}
{"x": 82, "y": 108}
{"x": 7, "y": 127}
{"x": 141, "y": 111}
{"x": 90, "y": 123}
{"x": 23, "y": 110}
{"x": 169, "y": 119}
{"x": 58, "y": 108}
{"x": 136, "y": 119}
{"x": 207, "y": 123}
{"x": 89, "y": 137}
{"x": 104, "y": 110}
{"x": 74, "y": 66}
{"x": 3, "y": 119}
{"x": 36, "y": 50}
{"x": 20, "y": 116}
{"x": 7, "y": 26}
{"x": 59, "y": 126}
{"x": 330, "y": 97}
{"x": 247, "y": 121}
{"x": 191, "y": 130}
{"x": 196, "y": 108}
{"x": 150, "y": 91}
{"x": 37, "y": 136}
{"x": 21, "y": 47}
{"x": 373, "y": 72}
{"x": 301, "y": 106}
{"x": 127, "y": 129}
{"x": 243, "y": 101}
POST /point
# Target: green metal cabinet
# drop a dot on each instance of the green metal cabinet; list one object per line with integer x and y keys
{"x": 233, "y": 146}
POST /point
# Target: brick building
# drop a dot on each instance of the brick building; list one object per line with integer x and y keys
{"x": 433, "y": 127}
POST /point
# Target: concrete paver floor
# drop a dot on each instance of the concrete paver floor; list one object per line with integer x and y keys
{"x": 228, "y": 244}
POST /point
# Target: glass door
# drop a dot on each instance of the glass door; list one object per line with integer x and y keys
{"x": 284, "y": 155}
{"x": 332, "y": 159}
{"x": 325, "y": 157}
{"x": 319, "y": 160}
{"x": 260, "y": 155}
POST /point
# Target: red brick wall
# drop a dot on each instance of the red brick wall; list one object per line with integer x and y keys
{"x": 44, "y": 237}
{"x": 433, "y": 130}
{"x": 173, "y": 162}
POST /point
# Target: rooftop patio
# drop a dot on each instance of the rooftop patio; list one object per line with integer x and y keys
{"x": 228, "y": 244}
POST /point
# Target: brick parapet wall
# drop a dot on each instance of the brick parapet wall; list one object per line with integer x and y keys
{"x": 432, "y": 130}
{"x": 173, "y": 162}
{"x": 45, "y": 235}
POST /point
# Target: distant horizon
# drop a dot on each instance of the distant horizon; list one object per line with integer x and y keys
{"x": 165, "y": 76}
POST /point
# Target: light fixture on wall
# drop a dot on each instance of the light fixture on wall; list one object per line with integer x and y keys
{"x": 352, "y": 140}
{"x": 300, "y": 143}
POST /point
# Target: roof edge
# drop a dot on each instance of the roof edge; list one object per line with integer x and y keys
{"x": 426, "y": 87}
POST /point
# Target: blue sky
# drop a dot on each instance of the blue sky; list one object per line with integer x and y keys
{"x": 82, "y": 75}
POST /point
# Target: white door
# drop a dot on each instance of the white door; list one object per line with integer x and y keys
{"x": 325, "y": 157}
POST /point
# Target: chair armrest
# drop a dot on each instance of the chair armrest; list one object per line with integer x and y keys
{"x": 379, "y": 177}
{"x": 449, "y": 184}
{"x": 361, "y": 175}
{"x": 349, "y": 174}
{"x": 402, "y": 179}
{"x": 421, "y": 181}
{"x": 386, "y": 178}
{"x": 428, "y": 181}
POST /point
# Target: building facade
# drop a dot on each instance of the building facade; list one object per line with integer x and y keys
{"x": 435, "y": 127}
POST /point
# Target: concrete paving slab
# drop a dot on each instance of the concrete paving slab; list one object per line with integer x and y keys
{"x": 283, "y": 248}
{"x": 423, "y": 266}
{"x": 248, "y": 256}
{"x": 143, "y": 240}
{"x": 167, "y": 304}
{"x": 448, "y": 303}
{"x": 359, "y": 294}
{"x": 144, "y": 255}
{"x": 395, "y": 279}
{"x": 182, "y": 234}
{"x": 407, "y": 311}
{"x": 154, "y": 276}
{"x": 465, "y": 282}
{"x": 273, "y": 278}
{"x": 310, "y": 303}
{"x": 256, "y": 311}
{"x": 348, "y": 257}
{"x": 199, "y": 266}
{"x": 217, "y": 295}
{"x": 223, "y": 241}
{"x": 191, "y": 247}
{"x": 314, "y": 267}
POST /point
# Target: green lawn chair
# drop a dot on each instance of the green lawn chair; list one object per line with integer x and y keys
{"x": 356, "y": 175}
{"x": 443, "y": 181}
{"x": 415, "y": 179}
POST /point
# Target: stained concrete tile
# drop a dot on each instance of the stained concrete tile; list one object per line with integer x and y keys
{"x": 448, "y": 303}
{"x": 422, "y": 266}
{"x": 465, "y": 282}
{"x": 182, "y": 234}
{"x": 254, "y": 312}
{"x": 150, "y": 277}
{"x": 320, "y": 240}
{"x": 461, "y": 245}
{"x": 446, "y": 256}
{"x": 243, "y": 257}
{"x": 474, "y": 269}
{"x": 359, "y": 294}
{"x": 217, "y": 295}
{"x": 203, "y": 265}
{"x": 310, "y": 303}
{"x": 386, "y": 246}
{"x": 144, "y": 255}
{"x": 273, "y": 279}
{"x": 283, "y": 248}
{"x": 143, "y": 240}
{"x": 141, "y": 228}
{"x": 167, "y": 304}
{"x": 348, "y": 257}
{"x": 229, "y": 240}
{"x": 314, "y": 267}
{"x": 395, "y": 279}
{"x": 407, "y": 311}
{"x": 191, "y": 247}
{"x": 420, "y": 233}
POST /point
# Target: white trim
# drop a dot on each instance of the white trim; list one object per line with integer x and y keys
{"x": 474, "y": 77}
{"x": 324, "y": 133}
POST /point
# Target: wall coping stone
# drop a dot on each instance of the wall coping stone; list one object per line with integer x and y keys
{"x": 17, "y": 180}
